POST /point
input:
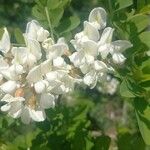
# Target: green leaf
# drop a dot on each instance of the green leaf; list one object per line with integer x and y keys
{"x": 128, "y": 140}
{"x": 125, "y": 90}
{"x": 141, "y": 21}
{"x": 55, "y": 16}
{"x": 68, "y": 24}
{"x": 39, "y": 13}
{"x": 143, "y": 117}
{"x": 102, "y": 143}
{"x": 145, "y": 38}
{"x": 53, "y": 4}
{"x": 19, "y": 36}
{"x": 121, "y": 4}
{"x": 145, "y": 10}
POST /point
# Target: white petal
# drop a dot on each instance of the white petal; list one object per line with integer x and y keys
{"x": 25, "y": 116}
{"x": 3, "y": 64}
{"x": 51, "y": 76}
{"x": 98, "y": 17}
{"x": 7, "y": 98}
{"x": 106, "y": 36}
{"x": 91, "y": 32}
{"x": 37, "y": 115}
{"x": 32, "y": 28}
{"x": 90, "y": 48}
{"x": 20, "y": 55}
{"x": 5, "y": 107}
{"x": 1, "y": 78}
{"x": 89, "y": 59}
{"x": 89, "y": 78}
{"x": 118, "y": 58}
{"x": 57, "y": 50}
{"x": 16, "y": 109}
{"x": 42, "y": 34}
{"x": 39, "y": 87}
{"x": 100, "y": 66}
{"x": 16, "y": 69}
{"x": 85, "y": 68}
{"x": 58, "y": 90}
{"x": 34, "y": 74}
{"x": 46, "y": 66}
{"x": 104, "y": 50}
{"x": 58, "y": 62}
{"x": 33, "y": 47}
{"x": 53, "y": 84}
{"x": 121, "y": 45}
{"x": 77, "y": 58}
{"x": 5, "y": 42}
{"x": 47, "y": 101}
{"x": 47, "y": 44}
{"x": 9, "y": 86}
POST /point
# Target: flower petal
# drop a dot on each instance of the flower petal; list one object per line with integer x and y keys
{"x": 90, "y": 48}
{"x": 5, "y": 42}
{"x": 37, "y": 115}
{"x": 100, "y": 66}
{"x": 5, "y": 107}
{"x": 98, "y": 17}
{"x": 118, "y": 58}
{"x": 47, "y": 101}
{"x": 89, "y": 78}
{"x": 121, "y": 45}
{"x": 91, "y": 32}
{"x": 106, "y": 36}
{"x": 77, "y": 58}
{"x": 25, "y": 116}
{"x": 9, "y": 86}
{"x": 34, "y": 74}
{"x": 39, "y": 87}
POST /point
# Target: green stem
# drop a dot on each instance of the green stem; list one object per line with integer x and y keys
{"x": 49, "y": 23}
{"x": 110, "y": 8}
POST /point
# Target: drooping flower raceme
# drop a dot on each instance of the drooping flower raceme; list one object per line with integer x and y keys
{"x": 33, "y": 76}
{"x": 95, "y": 48}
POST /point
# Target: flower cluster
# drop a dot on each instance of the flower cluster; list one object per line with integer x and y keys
{"x": 33, "y": 76}
{"x": 95, "y": 50}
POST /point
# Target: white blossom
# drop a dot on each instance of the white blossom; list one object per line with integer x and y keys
{"x": 5, "y": 42}
{"x": 29, "y": 81}
{"x": 36, "y": 32}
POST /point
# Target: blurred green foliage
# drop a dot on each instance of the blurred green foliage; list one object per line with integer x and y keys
{"x": 89, "y": 120}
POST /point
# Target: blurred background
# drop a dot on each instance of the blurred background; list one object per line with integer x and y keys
{"x": 87, "y": 119}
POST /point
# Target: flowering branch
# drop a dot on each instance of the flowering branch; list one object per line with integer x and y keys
{"x": 36, "y": 74}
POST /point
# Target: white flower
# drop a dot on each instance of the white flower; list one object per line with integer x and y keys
{"x": 13, "y": 105}
{"x": 54, "y": 50}
{"x": 117, "y": 48}
{"x": 85, "y": 54}
{"x": 36, "y": 32}
{"x": 29, "y": 55}
{"x": 106, "y": 46}
{"x": 5, "y": 42}
{"x": 98, "y": 18}
{"x": 28, "y": 114}
{"x": 89, "y": 33}
{"x": 97, "y": 71}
